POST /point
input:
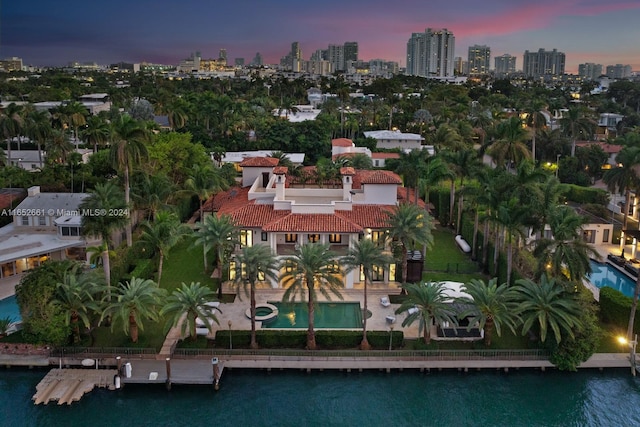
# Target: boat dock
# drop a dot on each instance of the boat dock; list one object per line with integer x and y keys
{"x": 69, "y": 385}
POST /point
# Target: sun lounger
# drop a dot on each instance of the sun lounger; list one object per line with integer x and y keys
{"x": 391, "y": 320}
{"x": 384, "y": 301}
{"x": 412, "y": 310}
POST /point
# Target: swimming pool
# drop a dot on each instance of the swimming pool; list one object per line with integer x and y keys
{"x": 9, "y": 308}
{"x": 605, "y": 275}
{"x": 327, "y": 315}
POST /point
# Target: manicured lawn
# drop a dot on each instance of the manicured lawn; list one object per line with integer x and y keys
{"x": 609, "y": 340}
{"x": 508, "y": 341}
{"x": 184, "y": 264}
{"x": 445, "y": 261}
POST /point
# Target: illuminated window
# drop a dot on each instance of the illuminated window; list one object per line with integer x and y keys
{"x": 291, "y": 238}
{"x": 313, "y": 238}
{"x": 335, "y": 238}
{"x": 246, "y": 238}
{"x": 378, "y": 237}
{"x": 377, "y": 273}
{"x": 392, "y": 272}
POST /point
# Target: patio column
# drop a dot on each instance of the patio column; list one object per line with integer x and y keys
{"x": 634, "y": 248}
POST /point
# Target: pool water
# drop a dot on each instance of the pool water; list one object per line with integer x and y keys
{"x": 605, "y": 275}
{"x": 9, "y": 308}
{"x": 327, "y": 315}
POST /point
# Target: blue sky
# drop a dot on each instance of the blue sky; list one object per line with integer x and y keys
{"x": 43, "y": 32}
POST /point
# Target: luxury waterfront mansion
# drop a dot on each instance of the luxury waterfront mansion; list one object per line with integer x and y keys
{"x": 44, "y": 227}
{"x": 276, "y": 208}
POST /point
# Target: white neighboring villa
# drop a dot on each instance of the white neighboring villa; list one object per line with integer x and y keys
{"x": 397, "y": 139}
{"x": 45, "y": 226}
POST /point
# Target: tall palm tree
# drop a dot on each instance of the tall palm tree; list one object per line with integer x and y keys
{"x": 75, "y": 297}
{"x": 409, "y": 225}
{"x": 58, "y": 147}
{"x": 135, "y": 301}
{"x": 509, "y": 145}
{"x": 311, "y": 269}
{"x": 191, "y": 300}
{"x": 220, "y": 234}
{"x": 96, "y": 133}
{"x": 548, "y": 306}
{"x": 463, "y": 164}
{"x": 151, "y": 193}
{"x": 11, "y": 124}
{"x": 254, "y": 264}
{"x": 566, "y": 254}
{"x": 203, "y": 182}
{"x": 161, "y": 235}
{"x": 365, "y": 255}
{"x": 104, "y": 198}
{"x": 426, "y": 302}
{"x": 492, "y": 308}
{"x": 410, "y": 166}
{"x": 535, "y": 120}
{"x": 625, "y": 176}
{"x": 575, "y": 123}
{"x": 128, "y": 149}
{"x": 38, "y": 128}
{"x": 510, "y": 215}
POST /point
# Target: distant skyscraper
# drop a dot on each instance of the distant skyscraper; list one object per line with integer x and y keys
{"x": 619, "y": 71}
{"x": 257, "y": 60}
{"x": 543, "y": 63}
{"x": 479, "y": 59}
{"x": 222, "y": 56}
{"x": 239, "y": 62}
{"x": 505, "y": 64}
{"x": 430, "y": 54}
{"x": 11, "y": 64}
{"x": 336, "y": 57}
{"x": 590, "y": 70}
{"x": 350, "y": 53}
{"x": 296, "y": 57}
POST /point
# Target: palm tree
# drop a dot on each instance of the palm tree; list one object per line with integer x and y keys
{"x": 463, "y": 164}
{"x": 510, "y": 215}
{"x": 136, "y": 300}
{"x": 311, "y": 269}
{"x": 535, "y": 120}
{"x": 409, "y": 225}
{"x": 365, "y": 255}
{"x": 253, "y": 264}
{"x": 548, "y": 306}
{"x": 151, "y": 193}
{"x": 58, "y": 147}
{"x": 574, "y": 123}
{"x": 75, "y": 297}
{"x": 509, "y": 145}
{"x": 624, "y": 177}
{"x": 128, "y": 149}
{"x": 410, "y": 166}
{"x": 426, "y": 302}
{"x": 38, "y": 128}
{"x": 492, "y": 308}
{"x": 220, "y": 234}
{"x": 566, "y": 254}
{"x": 191, "y": 300}
{"x": 11, "y": 123}
{"x": 203, "y": 182}
{"x": 162, "y": 234}
{"x": 96, "y": 133}
{"x": 104, "y": 198}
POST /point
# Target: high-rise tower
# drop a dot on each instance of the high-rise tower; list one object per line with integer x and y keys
{"x": 430, "y": 54}
{"x": 479, "y": 59}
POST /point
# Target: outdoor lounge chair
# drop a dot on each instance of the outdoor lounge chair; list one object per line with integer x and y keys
{"x": 384, "y": 301}
{"x": 391, "y": 319}
{"x": 412, "y": 310}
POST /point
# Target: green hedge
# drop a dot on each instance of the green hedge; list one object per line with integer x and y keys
{"x": 615, "y": 308}
{"x": 298, "y": 339}
{"x": 577, "y": 194}
{"x": 145, "y": 269}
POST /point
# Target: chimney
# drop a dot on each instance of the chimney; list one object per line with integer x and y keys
{"x": 33, "y": 191}
{"x": 347, "y": 182}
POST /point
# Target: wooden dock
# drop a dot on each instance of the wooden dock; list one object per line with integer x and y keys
{"x": 69, "y": 385}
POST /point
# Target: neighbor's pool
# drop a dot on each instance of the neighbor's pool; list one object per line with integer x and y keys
{"x": 9, "y": 308}
{"x": 605, "y": 275}
{"x": 326, "y": 315}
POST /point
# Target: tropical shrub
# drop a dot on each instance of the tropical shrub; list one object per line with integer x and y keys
{"x": 615, "y": 308}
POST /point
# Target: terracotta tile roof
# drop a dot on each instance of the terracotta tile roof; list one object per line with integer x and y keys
{"x": 406, "y": 195}
{"x": 257, "y": 216}
{"x": 607, "y": 148}
{"x": 260, "y": 162}
{"x": 341, "y": 142}
{"x": 226, "y": 201}
{"x": 368, "y": 216}
{"x": 313, "y": 223}
{"x": 280, "y": 170}
{"x": 347, "y": 171}
{"x": 375, "y": 177}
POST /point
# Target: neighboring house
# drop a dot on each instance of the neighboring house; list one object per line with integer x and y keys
{"x": 612, "y": 151}
{"x": 299, "y": 113}
{"x": 608, "y": 125}
{"x": 396, "y": 139}
{"x": 282, "y": 211}
{"x": 45, "y": 226}
{"x": 379, "y": 160}
{"x": 237, "y": 157}
{"x": 346, "y": 147}
{"x": 30, "y": 159}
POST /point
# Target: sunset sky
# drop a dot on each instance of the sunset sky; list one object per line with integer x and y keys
{"x": 43, "y": 32}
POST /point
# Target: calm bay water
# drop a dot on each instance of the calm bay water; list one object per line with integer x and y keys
{"x": 255, "y": 398}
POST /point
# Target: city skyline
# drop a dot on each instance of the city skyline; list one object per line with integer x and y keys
{"x": 44, "y": 33}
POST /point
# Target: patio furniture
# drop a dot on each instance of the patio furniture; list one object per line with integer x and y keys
{"x": 384, "y": 301}
{"x": 391, "y": 319}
